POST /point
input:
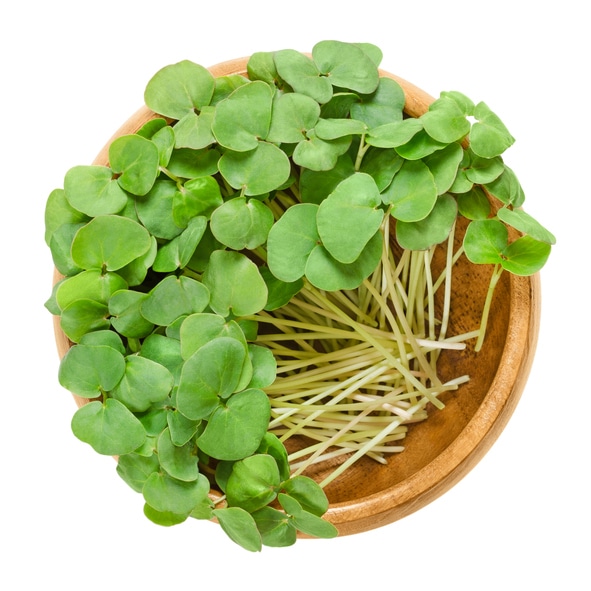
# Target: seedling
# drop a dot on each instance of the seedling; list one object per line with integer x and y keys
{"x": 255, "y": 264}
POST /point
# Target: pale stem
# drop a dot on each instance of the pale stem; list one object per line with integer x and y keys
{"x": 494, "y": 279}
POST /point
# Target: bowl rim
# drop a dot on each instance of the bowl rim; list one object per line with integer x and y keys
{"x": 483, "y": 428}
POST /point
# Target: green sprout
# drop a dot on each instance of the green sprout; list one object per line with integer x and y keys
{"x": 255, "y": 264}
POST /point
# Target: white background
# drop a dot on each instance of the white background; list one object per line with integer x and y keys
{"x": 71, "y": 74}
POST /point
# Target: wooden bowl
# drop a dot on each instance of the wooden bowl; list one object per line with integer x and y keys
{"x": 444, "y": 448}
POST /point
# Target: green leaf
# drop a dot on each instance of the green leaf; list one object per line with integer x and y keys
{"x": 155, "y": 210}
{"x": 143, "y": 383}
{"x": 318, "y": 154}
{"x": 474, "y": 204}
{"x": 484, "y": 170}
{"x": 60, "y": 244}
{"x": 325, "y": 272}
{"x": 445, "y": 121}
{"x": 174, "y": 297}
{"x": 182, "y": 429}
{"x": 507, "y": 188}
{"x": 275, "y": 527}
{"x": 384, "y": 105}
{"x": 258, "y": 171}
{"x": 236, "y": 429}
{"x": 395, "y": 134}
{"x": 226, "y": 85}
{"x": 243, "y": 119}
{"x": 280, "y": 292}
{"x": 93, "y": 190}
{"x": 489, "y": 136}
{"x": 525, "y": 256}
{"x": 315, "y": 185}
{"x": 346, "y": 66}
{"x": 241, "y": 224}
{"x": 163, "y": 139}
{"x": 109, "y": 242}
{"x": 293, "y": 114}
{"x": 522, "y": 221}
{"x": 432, "y": 230}
{"x": 235, "y": 284}
{"x": 177, "y": 253}
{"x": 291, "y": 240}
{"x": 264, "y": 366}
{"x": 193, "y": 164}
{"x": 332, "y": 129}
{"x": 211, "y": 373}
{"x": 199, "y": 197}
{"x": 88, "y": 370}
{"x": 83, "y": 316}
{"x": 58, "y": 212}
{"x": 108, "y": 338}
{"x": 135, "y": 272}
{"x": 164, "y": 518}
{"x": 180, "y": 462}
{"x": 179, "y": 88}
{"x": 308, "y": 493}
{"x": 109, "y": 427}
{"x": 485, "y": 241}
{"x": 135, "y": 469}
{"x": 126, "y": 318}
{"x": 89, "y": 285}
{"x": 136, "y": 160}
{"x": 302, "y": 74}
{"x": 305, "y": 521}
{"x": 194, "y": 130}
{"x": 382, "y": 165}
{"x": 444, "y": 165}
{"x": 253, "y": 482}
{"x": 412, "y": 194}
{"x": 420, "y": 145}
{"x": 199, "y": 329}
{"x": 349, "y": 217}
{"x": 260, "y": 66}
{"x": 169, "y": 495}
{"x": 240, "y": 527}
{"x": 273, "y": 446}
{"x": 164, "y": 350}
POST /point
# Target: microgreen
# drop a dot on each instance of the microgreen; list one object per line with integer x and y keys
{"x": 254, "y": 263}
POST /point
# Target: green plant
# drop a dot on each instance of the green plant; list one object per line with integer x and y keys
{"x": 255, "y": 263}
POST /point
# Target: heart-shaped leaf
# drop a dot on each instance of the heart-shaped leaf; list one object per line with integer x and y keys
{"x": 109, "y": 242}
{"x": 489, "y": 136}
{"x": 88, "y": 370}
{"x": 349, "y": 217}
{"x": 240, "y": 527}
{"x": 235, "y": 429}
{"x": 253, "y": 482}
{"x": 93, "y": 190}
{"x": 346, "y": 66}
{"x": 143, "y": 383}
{"x": 211, "y": 373}
{"x": 109, "y": 427}
{"x": 241, "y": 224}
{"x": 412, "y": 194}
{"x": 291, "y": 240}
{"x": 136, "y": 160}
{"x": 242, "y": 119}
{"x": 180, "y": 462}
{"x": 178, "y": 89}
{"x": 235, "y": 284}
{"x": 258, "y": 171}
{"x": 174, "y": 297}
